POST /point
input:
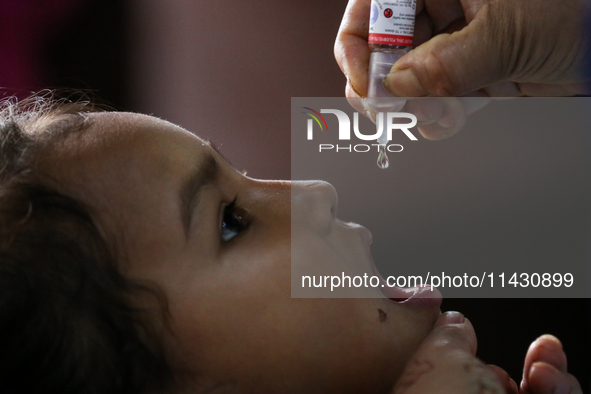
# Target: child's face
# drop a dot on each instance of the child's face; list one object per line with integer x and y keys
{"x": 166, "y": 193}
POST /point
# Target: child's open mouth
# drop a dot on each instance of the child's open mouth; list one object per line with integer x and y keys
{"x": 419, "y": 295}
{"x": 424, "y": 295}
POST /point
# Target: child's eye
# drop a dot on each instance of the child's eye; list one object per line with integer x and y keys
{"x": 233, "y": 223}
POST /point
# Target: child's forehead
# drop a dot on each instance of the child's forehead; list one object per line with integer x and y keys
{"x": 123, "y": 162}
{"x": 110, "y": 132}
{"x": 121, "y": 124}
{"x": 119, "y": 144}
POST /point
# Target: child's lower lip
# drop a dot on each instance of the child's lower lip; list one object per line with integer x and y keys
{"x": 419, "y": 296}
{"x": 423, "y": 296}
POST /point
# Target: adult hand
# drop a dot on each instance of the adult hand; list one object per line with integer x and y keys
{"x": 482, "y": 48}
{"x": 445, "y": 363}
{"x": 502, "y": 48}
{"x": 437, "y": 117}
{"x": 545, "y": 372}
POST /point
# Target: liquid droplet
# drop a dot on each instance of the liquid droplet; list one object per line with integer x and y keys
{"x": 383, "y": 161}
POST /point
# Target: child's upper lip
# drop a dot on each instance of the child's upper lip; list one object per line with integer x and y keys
{"x": 366, "y": 235}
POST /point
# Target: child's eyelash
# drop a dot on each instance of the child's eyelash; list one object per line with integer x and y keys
{"x": 234, "y": 221}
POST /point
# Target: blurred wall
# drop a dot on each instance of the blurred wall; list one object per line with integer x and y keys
{"x": 226, "y": 70}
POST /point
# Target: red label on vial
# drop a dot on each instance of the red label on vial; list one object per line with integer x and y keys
{"x": 389, "y": 39}
{"x": 392, "y": 22}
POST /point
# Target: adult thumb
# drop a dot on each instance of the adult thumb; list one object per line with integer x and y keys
{"x": 450, "y": 64}
{"x": 444, "y": 363}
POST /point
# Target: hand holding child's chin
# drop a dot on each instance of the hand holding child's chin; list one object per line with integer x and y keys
{"x": 445, "y": 363}
{"x": 544, "y": 370}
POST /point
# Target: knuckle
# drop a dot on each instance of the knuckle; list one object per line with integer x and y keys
{"x": 439, "y": 77}
{"x": 482, "y": 379}
{"x": 415, "y": 371}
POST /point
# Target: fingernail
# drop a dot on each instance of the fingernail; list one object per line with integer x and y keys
{"x": 452, "y": 317}
{"x": 403, "y": 83}
{"x": 551, "y": 338}
{"x": 367, "y": 111}
{"x": 547, "y": 347}
{"x": 548, "y": 350}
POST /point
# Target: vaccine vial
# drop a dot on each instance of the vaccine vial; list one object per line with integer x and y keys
{"x": 391, "y": 30}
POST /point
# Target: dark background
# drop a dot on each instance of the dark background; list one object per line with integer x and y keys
{"x": 227, "y": 70}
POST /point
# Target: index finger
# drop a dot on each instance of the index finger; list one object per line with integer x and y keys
{"x": 351, "y": 50}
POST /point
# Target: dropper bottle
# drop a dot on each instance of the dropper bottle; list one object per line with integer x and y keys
{"x": 391, "y": 30}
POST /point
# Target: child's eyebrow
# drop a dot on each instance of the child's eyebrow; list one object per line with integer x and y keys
{"x": 216, "y": 148}
{"x": 205, "y": 174}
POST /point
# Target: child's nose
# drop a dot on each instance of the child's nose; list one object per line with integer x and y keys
{"x": 314, "y": 203}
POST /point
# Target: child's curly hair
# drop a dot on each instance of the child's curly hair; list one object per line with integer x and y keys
{"x": 67, "y": 324}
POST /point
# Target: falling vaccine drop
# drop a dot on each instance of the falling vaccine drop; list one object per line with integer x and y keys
{"x": 383, "y": 161}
